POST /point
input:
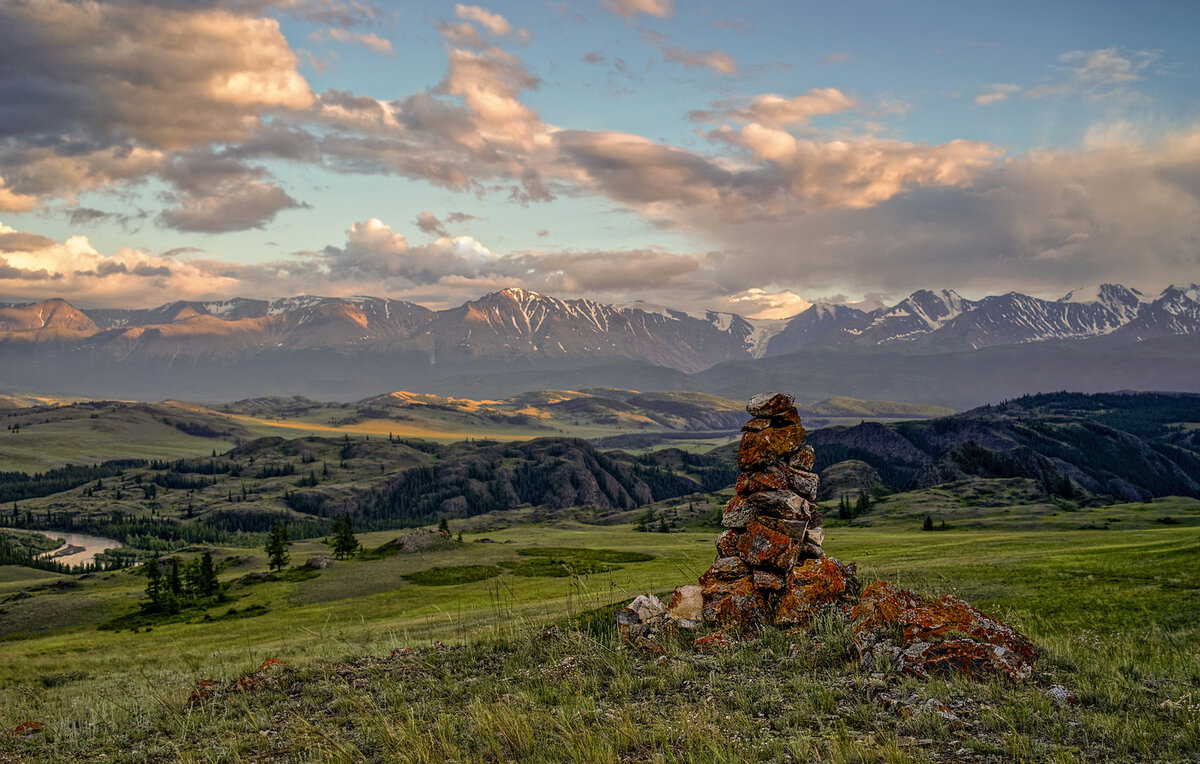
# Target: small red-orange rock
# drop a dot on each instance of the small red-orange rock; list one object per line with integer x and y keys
{"x": 725, "y": 569}
{"x": 770, "y": 404}
{"x": 813, "y": 586}
{"x": 736, "y": 605}
{"x": 773, "y": 445}
{"x": 727, "y": 543}
{"x": 782, "y": 504}
{"x": 765, "y": 579}
{"x": 761, "y": 546}
{"x": 770, "y": 478}
{"x": 804, "y": 459}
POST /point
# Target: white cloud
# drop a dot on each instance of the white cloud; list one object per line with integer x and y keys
{"x": 630, "y": 8}
{"x": 494, "y": 23}
{"x": 368, "y": 40}
{"x": 996, "y": 93}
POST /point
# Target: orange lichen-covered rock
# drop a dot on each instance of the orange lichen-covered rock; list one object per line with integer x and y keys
{"x": 754, "y": 425}
{"x": 980, "y": 660}
{"x": 770, "y": 478}
{"x": 804, "y": 459}
{"x": 712, "y": 642}
{"x": 924, "y": 628}
{"x": 784, "y": 419}
{"x": 761, "y": 546}
{"x": 734, "y": 605}
{"x": 738, "y": 512}
{"x": 727, "y": 543}
{"x": 725, "y": 569}
{"x": 782, "y": 504}
{"x": 806, "y": 484}
{"x": 770, "y": 404}
{"x": 765, "y": 579}
{"x": 770, "y": 446}
{"x": 813, "y": 586}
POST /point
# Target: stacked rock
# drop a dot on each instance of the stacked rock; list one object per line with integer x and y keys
{"x": 770, "y": 566}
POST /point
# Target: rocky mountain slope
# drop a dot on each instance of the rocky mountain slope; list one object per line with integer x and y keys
{"x": 518, "y": 340}
{"x": 1129, "y": 447}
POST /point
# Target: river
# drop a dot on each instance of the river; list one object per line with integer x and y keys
{"x": 91, "y": 545}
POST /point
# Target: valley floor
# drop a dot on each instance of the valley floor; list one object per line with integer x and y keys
{"x": 359, "y": 663}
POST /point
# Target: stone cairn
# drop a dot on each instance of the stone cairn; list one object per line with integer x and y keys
{"x": 771, "y": 569}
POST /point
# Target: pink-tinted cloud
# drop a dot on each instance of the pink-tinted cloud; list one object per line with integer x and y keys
{"x": 629, "y": 8}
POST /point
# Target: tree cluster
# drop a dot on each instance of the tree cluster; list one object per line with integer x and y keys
{"x": 181, "y": 585}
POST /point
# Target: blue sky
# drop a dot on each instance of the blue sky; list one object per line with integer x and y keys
{"x": 701, "y": 155}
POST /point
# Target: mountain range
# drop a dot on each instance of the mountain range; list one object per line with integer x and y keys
{"x": 516, "y": 340}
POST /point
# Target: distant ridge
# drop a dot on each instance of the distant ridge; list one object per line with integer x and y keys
{"x": 517, "y": 339}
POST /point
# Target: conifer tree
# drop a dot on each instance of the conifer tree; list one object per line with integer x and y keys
{"x": 153, "y": 580}
{"x": 208, "y": 575}
{"x": 277, "y": 547}
{"x": 344, "y": 542}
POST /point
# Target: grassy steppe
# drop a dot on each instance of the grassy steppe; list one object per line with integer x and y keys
{"x": 1114, "y": 612}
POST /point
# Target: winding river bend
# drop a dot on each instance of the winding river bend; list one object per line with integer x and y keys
{"x": 90, "y": 546}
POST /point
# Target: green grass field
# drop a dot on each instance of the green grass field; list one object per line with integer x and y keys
{"x": 1115, "y": 613}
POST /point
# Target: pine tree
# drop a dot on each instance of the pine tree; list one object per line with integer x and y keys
{"x": 444, "y": 526}
{"x": 153, "y": 581}
{"x": 928, "y": 524}
{"x": 174, "y": 578}
{"x": 344, "y": 542}
{"x": 208, "y": 575}
{"x": 277, "y": 547}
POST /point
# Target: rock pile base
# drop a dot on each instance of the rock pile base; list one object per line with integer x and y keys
{"x": 771, "y": 569}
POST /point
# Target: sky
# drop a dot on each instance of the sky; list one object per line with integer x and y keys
{"x": 750, "y": 157}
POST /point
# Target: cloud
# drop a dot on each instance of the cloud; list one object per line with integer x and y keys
{"x": 373, "y": 251}
{"x": 777, "y": 111}
{"x": 36, "y": 267}
{"x": 11, "y": 201}
{"x": 840, "y": 57}
{"x": 591, "y": 271}
{"x": 102, "y": 94}
{"x": 996, "y": 93}
{"x": 21, "y": 241}
{"x": 717, "y": 61}
{"x": 494, "y": 23}
{"x": 1096, "y": 73}
{"x": 791, "y": 174}
{"x": 368, "y": 40}
{"x": 431, "y": 224}
{"x": 760, "y": 303}
{"x": 629, "y": 8}
{"x": 216, "y": 193}
{"x": 1042, "y": 223}
{"x": 85, "y": 215}
{"x": 337, "y": 13}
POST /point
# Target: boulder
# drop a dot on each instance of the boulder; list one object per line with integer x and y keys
{"x": 725, "y": 569}
{"x": 647, "y": 607}
{"x": 727, "y": 543}
{"x": 770, "y": 404}
{"x": 802, "y": 482}
{"x": 735, "y": 605}
{"x": 804, "y": 459}
{"x": 765, "y": 579}
{"x": 773, "y": 445}
{"x": 938, "y": 636}
{"x": 738, "y": 512}
{"x": 813, "y": 586}
{"x": 687, "y": 605}
{"x": 770, "y": 478}
{"x": 762, "y": 546}
{"x": 784, "y": 505}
